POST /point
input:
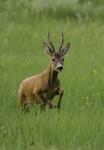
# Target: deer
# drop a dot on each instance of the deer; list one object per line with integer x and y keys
{"x": 42, "y": 88}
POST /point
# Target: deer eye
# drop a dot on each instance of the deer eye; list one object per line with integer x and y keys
{"x": 53, "y": 59}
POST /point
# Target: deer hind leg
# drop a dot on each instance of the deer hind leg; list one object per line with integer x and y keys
{"x": 26, "y": 104}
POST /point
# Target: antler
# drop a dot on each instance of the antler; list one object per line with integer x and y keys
{"x": 50, "y": 46}
{"x": 47, "y": 45}
{"x": 62, "y": 42}
{"x": 50, "y": 42}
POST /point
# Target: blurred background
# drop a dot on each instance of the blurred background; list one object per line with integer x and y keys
{"x": 78, "y": 10}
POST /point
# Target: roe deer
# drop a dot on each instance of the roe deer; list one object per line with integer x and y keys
{"x": 40, "y": 89}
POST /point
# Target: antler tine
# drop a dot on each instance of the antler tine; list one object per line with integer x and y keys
{"x": 50, "y": 42}
{"x": 62, "y": 41}
{"x": 44, "y": 43}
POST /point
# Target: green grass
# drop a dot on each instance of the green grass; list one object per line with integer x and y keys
{"x": 79, "y": 124}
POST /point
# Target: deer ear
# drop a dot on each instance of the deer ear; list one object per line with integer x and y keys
{"x": 47, "y": 49}
{"x": 65, "y": 49}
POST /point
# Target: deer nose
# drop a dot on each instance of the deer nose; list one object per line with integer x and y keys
{"x": 59, "y": 67}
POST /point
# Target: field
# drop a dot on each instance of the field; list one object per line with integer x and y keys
{"x": 79, "y": 124}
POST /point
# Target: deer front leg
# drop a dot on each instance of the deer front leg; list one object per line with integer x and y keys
{"x": 60, "y": 93}
{"x": 43, "y": 99}
{"x": 49, "y": 104}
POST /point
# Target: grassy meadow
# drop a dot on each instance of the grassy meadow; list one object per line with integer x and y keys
{"x": 79, "y": 124}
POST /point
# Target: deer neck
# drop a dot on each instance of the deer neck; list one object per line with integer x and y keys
{"x": 52, "y": 75}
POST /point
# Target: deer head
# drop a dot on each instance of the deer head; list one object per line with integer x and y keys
{"x": 57, "y": 57}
